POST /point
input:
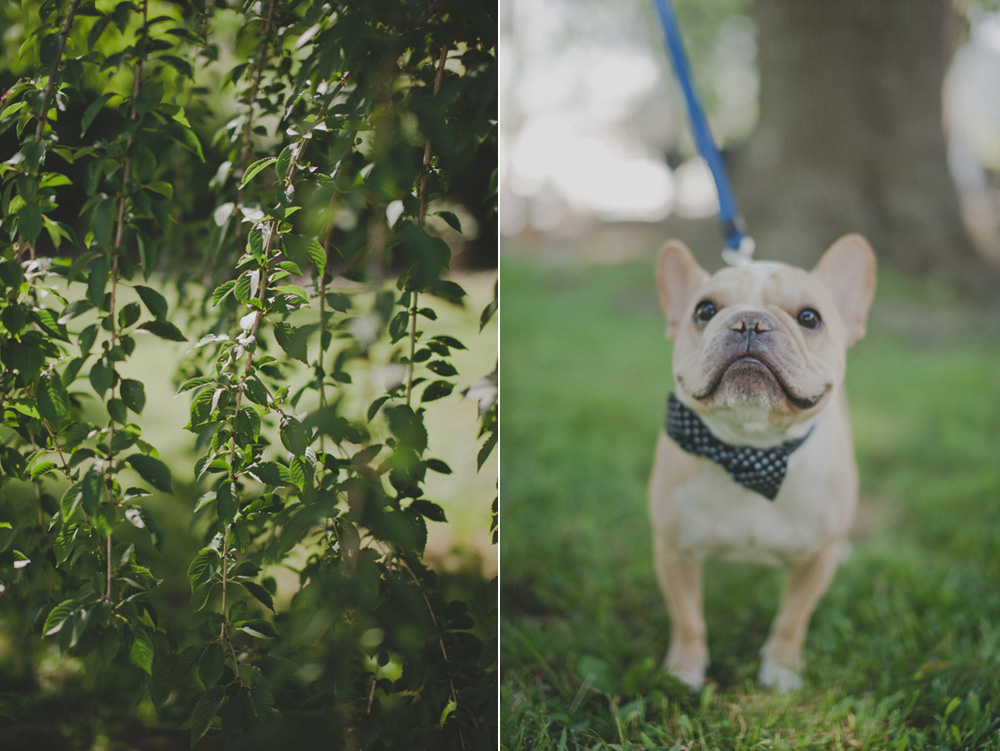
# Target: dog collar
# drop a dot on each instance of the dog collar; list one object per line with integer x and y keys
{"x": 760, "y": 470}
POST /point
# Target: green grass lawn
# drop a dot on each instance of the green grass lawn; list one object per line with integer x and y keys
{"x": 904, "y": 649}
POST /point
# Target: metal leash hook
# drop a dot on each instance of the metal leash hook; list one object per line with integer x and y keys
{"x": 739, "y": 246}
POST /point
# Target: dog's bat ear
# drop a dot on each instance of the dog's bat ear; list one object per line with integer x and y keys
{"x": 678, "y": 275}
{"x": 847, "y": 270}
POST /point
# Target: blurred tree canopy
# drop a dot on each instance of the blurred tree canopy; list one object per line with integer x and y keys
{"x": 850, "y": 136}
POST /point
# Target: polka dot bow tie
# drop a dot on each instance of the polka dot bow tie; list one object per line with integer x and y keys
{"x": 760, "y": 470}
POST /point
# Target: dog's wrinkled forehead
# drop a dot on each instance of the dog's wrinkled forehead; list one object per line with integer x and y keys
{"x": 759, "y": 284}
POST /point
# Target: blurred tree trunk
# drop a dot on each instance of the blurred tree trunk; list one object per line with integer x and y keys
{"x": 850, "y": 137}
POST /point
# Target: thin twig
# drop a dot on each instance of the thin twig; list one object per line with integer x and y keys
{"x": 50, "y": 87}
{"x": 421, "y": 216}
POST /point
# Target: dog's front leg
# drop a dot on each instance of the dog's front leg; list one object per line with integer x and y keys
{"x": 782, "y": 652}
{"x": 679, "y": 575}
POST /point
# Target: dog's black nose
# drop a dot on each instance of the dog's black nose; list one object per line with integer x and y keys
{"x": 752, "y": 323}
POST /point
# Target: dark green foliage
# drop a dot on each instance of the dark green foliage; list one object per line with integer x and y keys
{"x": 126, "y": 174}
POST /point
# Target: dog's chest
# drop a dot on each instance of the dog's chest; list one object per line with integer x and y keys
{"x": 719, "y": 519}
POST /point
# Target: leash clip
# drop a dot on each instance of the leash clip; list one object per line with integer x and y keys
{"x": 742, "y": 254}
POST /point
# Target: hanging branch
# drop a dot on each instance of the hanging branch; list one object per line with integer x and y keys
{"x": 439, "y": 75}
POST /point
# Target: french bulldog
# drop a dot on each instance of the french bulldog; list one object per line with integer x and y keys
{"x": 756, "y": 462}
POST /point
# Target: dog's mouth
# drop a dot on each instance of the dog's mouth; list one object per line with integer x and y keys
{"x": 750, "y": 370}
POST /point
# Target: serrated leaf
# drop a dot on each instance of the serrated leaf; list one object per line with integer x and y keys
{"x": 437, "y": 390}
{"x": 255, "y": 168}
{"x": 292, "y": 340}
{"x": 164, "y": 330}
{"x": 41, "y": 468}
{"x": 301, "y": 248}
{"x": 222, "y": 291}
{"x": 204, "y": 712}
{"x": 154, "y": 301}
{"x": 161, "y": 683}
{"x": 141, "y": 652}
{"x": 486, "y": 450}
{"x": 133, "y": 394}
{"x": 102, "y": 376}
{"x": 211, "y": 665}
{"x": 284, "y": 165}
{"x": 268, "y": 473}
{"x": 255, "y": 391}
{"x": 200, "y": 567}
{"x": 52, "y": 399}
{"x": 57, "y": 617}
{"x": 428, "y": 509}
{"x": 227, "y": 502}
{"x": 293, "y": 436}
{"x": 29, "y": 222}
{"x": 153, "y": 471}
{"x": 259, "y": 593}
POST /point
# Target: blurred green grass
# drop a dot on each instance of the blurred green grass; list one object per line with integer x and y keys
{"x": 903, "y": 650}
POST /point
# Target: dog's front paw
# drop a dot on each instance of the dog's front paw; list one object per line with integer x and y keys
{"x": 690, "y": 672}
{"x": 778, "y": 677}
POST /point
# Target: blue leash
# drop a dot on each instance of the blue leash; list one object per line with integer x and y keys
{"x": 739, "y": 245}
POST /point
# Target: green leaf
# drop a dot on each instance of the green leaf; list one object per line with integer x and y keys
{"x": 97, "y": 280}
{"x": 202, "y": 567}
{"x": 128, "y": 315}
{"x": 204, "y": 712}
{"x": 154, "y": 301}
{"x": 451, "y": 220}
{"x": 260, "y": 593}
{"x": 42, "y": 468}
{"x": 57, "y": 617}
{"x": 255, "y": 168}
{"x": 211, "y": 665}
{"x": 141, "y": 652}
{"x": 150, "y": 95}
{"x": 102, "y": 376}
{"x": 227, "y": 502}
{"x": 486, "y": 450}
{"x": 437, "y": 390}
{"x": 258, "y": 628}
{"x": 293, "y": 436}
{"x": 53, "y": 401}
{"x": 102, "y": 223}
{"x": 292, "y": 340}
{"x": 29, "y": 222}
{"x": 133, "y": 394}
{"x": 255, "y": 391}
{"x": 247, "y": 425}
{"x": 442, "y": 368}
{"x": 428, "y": 509}
{"x": 268, "y": 473}
{"x": 164, "y": 330}
{"x": 300, "y": 249}
{"x": 152, "y": 470}
{"x": 408, "y": 427}
{"x": 284, "y": 166}
{"x": 92, "y": 110}
{"x": 161, "y": 683}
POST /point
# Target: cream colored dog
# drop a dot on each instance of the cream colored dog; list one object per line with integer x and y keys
{"x": 756, "y": 462}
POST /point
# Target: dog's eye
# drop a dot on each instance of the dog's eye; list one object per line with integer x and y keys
{"x": 704, "y": 311}
{"x": 809, "y": 319}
